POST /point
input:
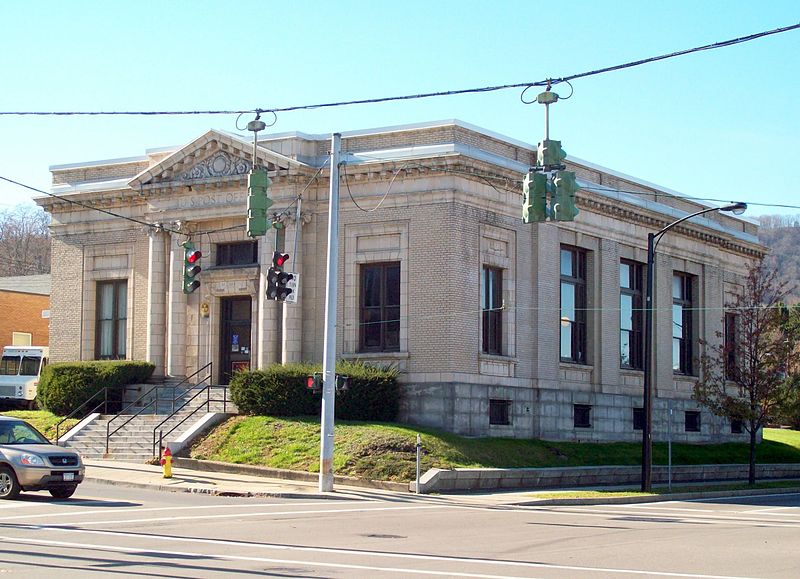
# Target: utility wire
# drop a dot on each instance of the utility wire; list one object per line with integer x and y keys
{"x": 86, "y": 206}
{"x": 525, "y": 85}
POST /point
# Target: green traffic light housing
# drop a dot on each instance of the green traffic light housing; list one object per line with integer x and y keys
{"x": 534, "y": 197}
{"x": 258, "y": 202}
{"x": 563, "y": 200}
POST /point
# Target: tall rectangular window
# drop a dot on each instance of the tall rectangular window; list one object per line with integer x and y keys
{"x": 112, "y": 320}
{"x": 492, "y": 294}
{"x": 379, "y": 327}
{"x": 682, "y": 333}
{"x": 573, "y": 305}
{"x": 730, "y": 346}
{"x": 630, "y": 315}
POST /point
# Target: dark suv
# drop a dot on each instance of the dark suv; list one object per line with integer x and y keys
{"x": 30, "y": 462}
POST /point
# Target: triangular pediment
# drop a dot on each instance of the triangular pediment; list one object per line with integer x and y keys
{"x": 214, "y": 156}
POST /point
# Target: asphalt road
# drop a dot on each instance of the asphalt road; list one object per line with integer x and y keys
{"x": 107, "y": 531}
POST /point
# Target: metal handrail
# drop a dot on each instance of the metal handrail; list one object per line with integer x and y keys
{"x": 161, "y": 433}
{"x": 104, "y": 404}
{"x": 206, "y": 405}
{"x": 155, "y": 400}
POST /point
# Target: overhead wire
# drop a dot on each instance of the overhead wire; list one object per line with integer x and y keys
{"x": 523, "y": 85}
{"x": 86, "y": 206}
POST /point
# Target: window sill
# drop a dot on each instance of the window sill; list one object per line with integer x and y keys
{"x": 576, "y": 366}
{"x": 497, "y": 358}
{"x": 376, "y": 355}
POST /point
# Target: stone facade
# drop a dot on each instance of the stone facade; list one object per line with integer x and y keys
{"x": 443, "y": 200}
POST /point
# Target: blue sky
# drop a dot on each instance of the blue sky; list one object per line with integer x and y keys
{"x": 721, "y": 124}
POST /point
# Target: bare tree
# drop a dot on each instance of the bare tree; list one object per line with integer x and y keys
{"x": 24, "y": 241}
{"x": 743, "y": 374}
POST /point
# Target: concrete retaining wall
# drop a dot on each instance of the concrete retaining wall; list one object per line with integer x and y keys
{"x": 477, "y": 479}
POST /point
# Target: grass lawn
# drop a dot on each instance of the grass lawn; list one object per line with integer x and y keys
{"x": 45, "y": 422}
{"x": 387, "y": 451}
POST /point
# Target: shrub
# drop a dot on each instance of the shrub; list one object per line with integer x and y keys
{"x": 65, "y": 386}
{"x": 373, "y": 392}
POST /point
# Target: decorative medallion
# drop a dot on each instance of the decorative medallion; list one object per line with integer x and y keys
{"x": 221, "y": 164}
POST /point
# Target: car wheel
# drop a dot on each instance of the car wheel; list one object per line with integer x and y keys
{"x": 63, "y": 492}
{"x": 9, "y": 486}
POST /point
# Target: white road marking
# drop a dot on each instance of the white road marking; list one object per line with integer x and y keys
{"x": 240, "y": 515}
{"x": 439, "y": 558}
{"x": 109, "y": 511}
{"x": 683, "y": 518}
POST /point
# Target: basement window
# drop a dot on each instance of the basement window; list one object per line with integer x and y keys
{"x": 582, "y": 415}
{"x": 499, "y": 413}
{"x": 692, "y": 421}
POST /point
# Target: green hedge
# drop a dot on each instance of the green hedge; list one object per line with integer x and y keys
{"x": 64, "y": 386}
{"x": 373, "y": 393}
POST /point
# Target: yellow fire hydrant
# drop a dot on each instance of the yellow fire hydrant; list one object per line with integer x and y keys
{"x": 166, "y": 462}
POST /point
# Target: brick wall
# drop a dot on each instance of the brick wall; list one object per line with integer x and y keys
{"x": 20, "y": 312}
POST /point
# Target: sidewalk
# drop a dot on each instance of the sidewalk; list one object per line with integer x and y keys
{"x": 135, "y": 475}
{"x": 251, "y": 485}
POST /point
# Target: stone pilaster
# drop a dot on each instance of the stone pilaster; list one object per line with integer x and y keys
{"x": 292, "y": 334}
{"x": 268, "y": 313}
{"x": 606, "y": 338}
{"x": 548, "y": 304}
{"x": 176, "y": 309}
{"x": 156, "y": 300}
{"x": 663, "y": 377}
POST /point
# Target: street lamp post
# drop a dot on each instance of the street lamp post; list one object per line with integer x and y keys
{"x": 647, "y": 431}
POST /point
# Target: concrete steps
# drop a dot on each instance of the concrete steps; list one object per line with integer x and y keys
{"x": 134, "y": 439}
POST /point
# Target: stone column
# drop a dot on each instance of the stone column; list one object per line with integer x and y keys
{"x": 548, "y": 299}
{"x": 292, "y": 334}
{"x": 663, "y": 377}
{"x": 176, "y": 309}
{"x": 156, "y": 300}
{"x": 712, "y": 306}
{"x": 268, "y": 312}
{"x": 606, "y": 338}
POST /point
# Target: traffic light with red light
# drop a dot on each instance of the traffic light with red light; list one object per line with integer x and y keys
{"x": 314, "y": 382}
{"x": 191, "y": 267}
{"x": 281, "y": 284}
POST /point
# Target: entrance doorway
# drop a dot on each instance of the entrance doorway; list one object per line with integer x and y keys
{"x": 235, "y": 348}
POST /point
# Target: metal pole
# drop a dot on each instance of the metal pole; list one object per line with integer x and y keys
{"x": 647, "y": 436}
{"x": 419, "y": 452}
{"x": 329, "y": 360}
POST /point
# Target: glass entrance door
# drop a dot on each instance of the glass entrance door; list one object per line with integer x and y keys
{"x": 235, "y": 348}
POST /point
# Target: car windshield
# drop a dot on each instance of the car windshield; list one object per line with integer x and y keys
{"x": 30, "y": 366}
{"x": 9, "y": 366}
{"x": 20, "y": 433}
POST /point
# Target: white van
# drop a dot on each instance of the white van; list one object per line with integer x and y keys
{"x": 20, "y": 369}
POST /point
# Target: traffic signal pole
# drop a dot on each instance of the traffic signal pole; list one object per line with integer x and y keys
{"x": 329, "y": 360}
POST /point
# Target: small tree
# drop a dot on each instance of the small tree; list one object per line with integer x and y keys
{"x": 743, "y": 375}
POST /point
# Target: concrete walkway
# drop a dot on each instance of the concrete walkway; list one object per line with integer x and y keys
{"x": 247, "y": 484}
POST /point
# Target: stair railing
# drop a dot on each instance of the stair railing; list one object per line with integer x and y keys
{"x": 154, "y": 402}
{"x": 103, "y": 403}
{"x": 158, "y": 431}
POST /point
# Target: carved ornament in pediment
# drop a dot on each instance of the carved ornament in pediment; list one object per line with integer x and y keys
{"x": 220, "y": 164}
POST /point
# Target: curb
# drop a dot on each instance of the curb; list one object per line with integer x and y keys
{"x": 219, "y": 492}
{"x": 276, "y": 473}
{"x": 656, "y": 498}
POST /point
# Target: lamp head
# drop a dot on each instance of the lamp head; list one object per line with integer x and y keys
{"x": 735, "y": 208}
